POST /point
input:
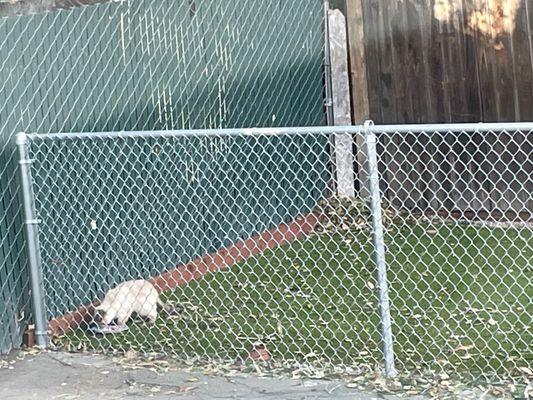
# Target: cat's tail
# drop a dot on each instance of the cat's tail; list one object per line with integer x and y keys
{"x": 171, "y": 309}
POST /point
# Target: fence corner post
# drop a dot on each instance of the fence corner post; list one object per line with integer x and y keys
{"x": 379, "y": 247}
{"x": 32, "y": 242}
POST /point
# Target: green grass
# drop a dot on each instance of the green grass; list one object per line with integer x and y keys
{"x": 316, "y": 300}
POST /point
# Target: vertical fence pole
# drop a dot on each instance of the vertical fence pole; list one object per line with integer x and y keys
{"x": 32, "y": 242}
{"x": 379, "y": 247}
{"x": 328, "y": 101}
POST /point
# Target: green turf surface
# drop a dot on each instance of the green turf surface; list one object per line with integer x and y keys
{"x": 461, "y": 302}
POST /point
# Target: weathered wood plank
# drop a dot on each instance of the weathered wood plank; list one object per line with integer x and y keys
{"x": 359, "y": 81}
{"x": 341, "y": 103}
{"x": 357, "y": 58}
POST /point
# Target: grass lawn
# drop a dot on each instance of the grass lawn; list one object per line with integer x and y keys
{"x": 461, "y": 302}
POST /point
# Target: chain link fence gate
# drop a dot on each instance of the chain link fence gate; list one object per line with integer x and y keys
{"x": 242, "y": 228}
{"x": 144, "y": 65}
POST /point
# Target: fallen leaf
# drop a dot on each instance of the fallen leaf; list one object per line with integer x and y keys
{"x": 130, "y": 354}
{"x": 280, "y": 328}
{"x": 394, "y": 385}
{"x": 259, "y": 352}
{"x": 464, "y": 347}
{"x": 525, "y": 370}
{"x": 528, "y": 391}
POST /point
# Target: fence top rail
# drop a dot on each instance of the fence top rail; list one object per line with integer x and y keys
{"x": 481, "y": 127}
{"x": 305, "y": 130}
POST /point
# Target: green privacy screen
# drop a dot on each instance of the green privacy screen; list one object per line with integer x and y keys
{"x": 143, "y": 65}
{"x": 127, "y": 208}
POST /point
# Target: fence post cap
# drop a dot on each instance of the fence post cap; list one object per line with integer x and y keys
{"x": 21, "y": 138}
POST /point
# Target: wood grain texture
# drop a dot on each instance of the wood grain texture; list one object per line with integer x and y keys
{"x": 430, "y": 61}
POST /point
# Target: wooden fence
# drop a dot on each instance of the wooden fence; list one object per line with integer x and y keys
{"x": 429, "y": 61}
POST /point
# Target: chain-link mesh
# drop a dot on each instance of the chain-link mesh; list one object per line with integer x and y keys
{"x": 284, "y": 265}
{"x": 15, "y": 312}
{"x": 143, "y": 65}
{"x": 245, "y": 237}
{"x": 460, "y": 271}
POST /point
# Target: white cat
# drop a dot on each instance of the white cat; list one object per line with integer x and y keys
{"x": 136, "y": 296}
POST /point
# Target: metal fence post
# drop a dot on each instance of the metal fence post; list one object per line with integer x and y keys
{"x": 379, "y": 248}
{"x": 32, "y": 243}
{"x": 328, "y": 101}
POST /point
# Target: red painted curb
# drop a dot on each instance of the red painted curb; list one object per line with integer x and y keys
{"x": 196, "y": 269}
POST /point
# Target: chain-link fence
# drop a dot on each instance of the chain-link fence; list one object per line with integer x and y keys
{"x": 15, "y": 311}
{"x": 460, "y": 270}
{"x": 144, "y": 65}
{"x": 256, "y": 256}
